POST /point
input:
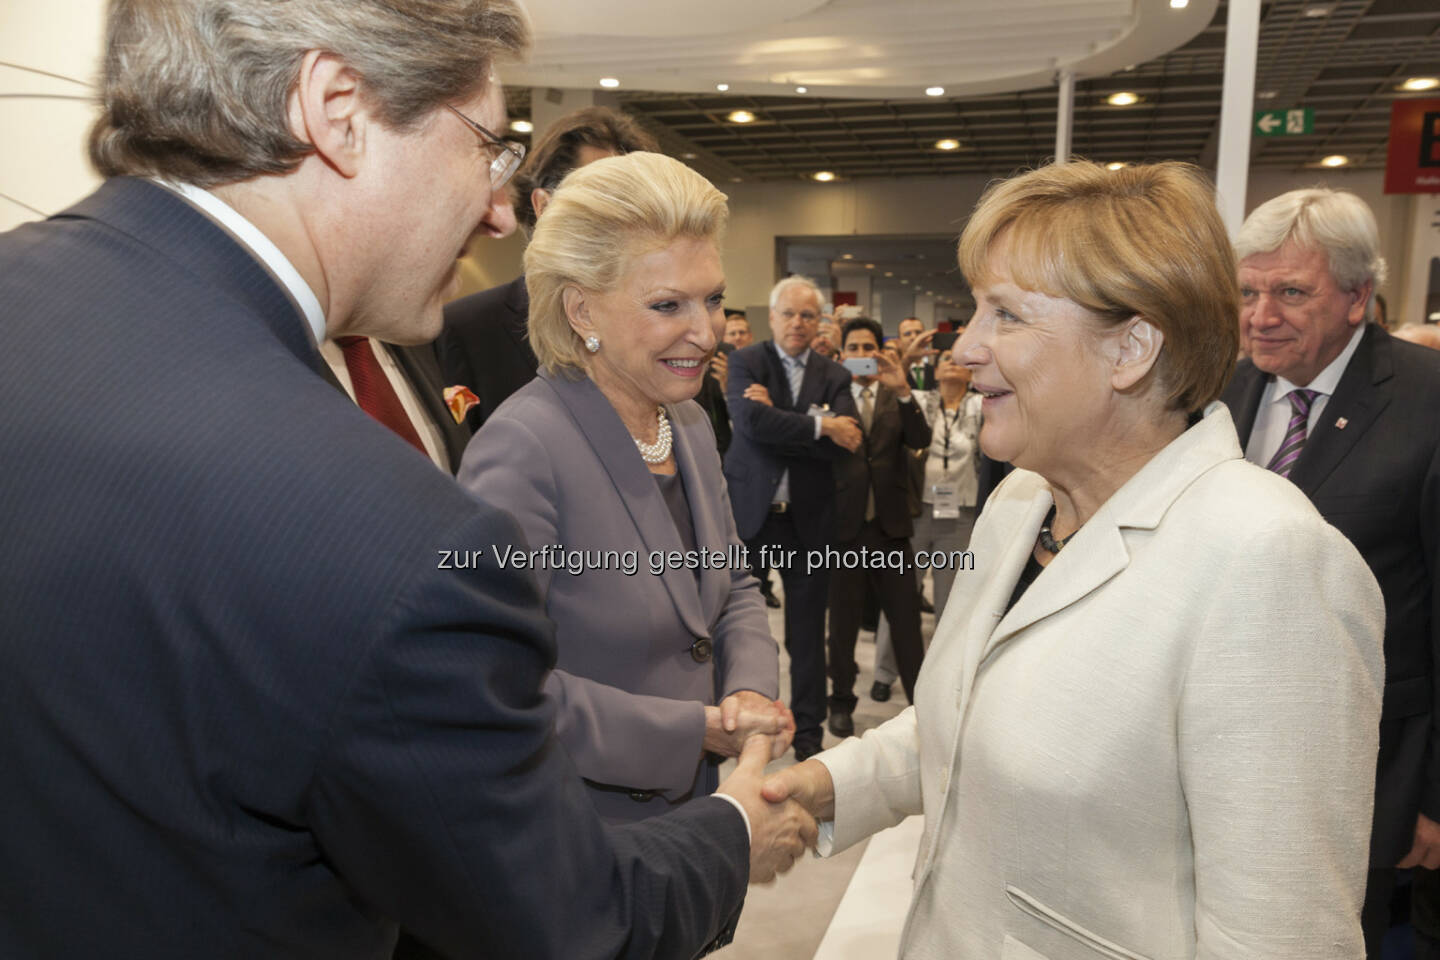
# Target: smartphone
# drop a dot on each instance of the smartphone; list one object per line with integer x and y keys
{"x": 862, "y": 366}
{"x": 724, "y": 347}
{"x": 944, "y": 341}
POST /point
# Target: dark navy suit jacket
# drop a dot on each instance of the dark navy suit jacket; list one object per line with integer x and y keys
{"x": 243, "y": 713}
{"x": 768, "y": 440}
{"x": 1372, "y": 468}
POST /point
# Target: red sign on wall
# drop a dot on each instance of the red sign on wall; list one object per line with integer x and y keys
{"x": 1412, "y": 164}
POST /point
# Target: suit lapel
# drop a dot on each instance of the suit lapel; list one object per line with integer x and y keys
{"x": 423, "y": 370}
{"x": 1251, "y": 383}
{"x": 1360, "y": 397}
{"x": 779, "y": 378}
{"x": 714, "y": 582}
{"x": 612, "y": 445}
{"x": 812, "y": 386}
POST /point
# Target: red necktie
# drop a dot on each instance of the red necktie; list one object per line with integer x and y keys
{"x": 373, "y": 391}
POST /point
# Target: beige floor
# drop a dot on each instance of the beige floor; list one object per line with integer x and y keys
{"x": 787, "y": 919}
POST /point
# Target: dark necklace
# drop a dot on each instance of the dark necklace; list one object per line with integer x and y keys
{"x": 1048, "y": 543}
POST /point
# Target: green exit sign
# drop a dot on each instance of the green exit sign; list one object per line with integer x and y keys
{"x": 1284, "y": 123}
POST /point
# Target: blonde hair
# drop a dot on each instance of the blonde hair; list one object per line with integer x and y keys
{"x": 601, "y": 217}
{"x": 1141, "y": 241}
{"x": 196, "y": 90}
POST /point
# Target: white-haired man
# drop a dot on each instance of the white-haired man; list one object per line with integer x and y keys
{"x": 264, "y": 689}
{"x": 1347, "y": 413}
{"x": 793, "y": 416}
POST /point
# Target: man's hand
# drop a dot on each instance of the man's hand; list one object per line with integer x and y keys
{"x": 919, "y": 349}
{"x": 1426, "y": 852}
{"x": 892, "y": 375}
{"x": 758, "y": 393}
{"x": 720, "y": 367}
{"x": 741, "y": 716}
{"x": 808, "y": 784}
{"x": 779, "y": 832}
{"x": 844, "y": 431}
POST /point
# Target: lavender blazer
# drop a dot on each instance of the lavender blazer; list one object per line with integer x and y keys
{"x": 632, "y": 675}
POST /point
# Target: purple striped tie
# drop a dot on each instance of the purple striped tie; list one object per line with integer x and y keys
{"x": 1294, "y": 442}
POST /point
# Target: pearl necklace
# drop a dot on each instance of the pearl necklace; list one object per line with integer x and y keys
{"x": 659, "y": 451}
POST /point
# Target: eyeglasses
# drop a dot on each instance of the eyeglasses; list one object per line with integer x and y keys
{"x": 507, "y": 153}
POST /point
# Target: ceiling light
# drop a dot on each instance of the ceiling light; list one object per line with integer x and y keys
{"x": 1316, "y": 10}
{"x": 521, "y": 126}
{"x": 934, "y": 91}
{"x": 889, "y": 273}
{"x": 947, "y": 144}
{"x": 1421, "y": 83}
{"x": 905, "y": 281}
{"x": 609, "y": 82}
{"x": 688, "y": 156}
{"x": 722, "y": 87}
{"x": 824, "y": 176}
{"x": 847, "y": 256}
{"x": 1116, "y": 165}
{"x": 802, "y": 89}
{"x": 1335, "y": 160}
{"x": 741, "y": 116}
{"x": 869, "y": 266}
{"x": 1122, "y": 99}
{"x": 1179, "y": 4}
{"x": 1267, "y": 94}
{"x": 737, "y": 179}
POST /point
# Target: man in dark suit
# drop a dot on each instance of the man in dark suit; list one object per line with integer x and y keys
{"x": 1348, "y": 413}
{"x": 484, "y": 345}
{"x": 872, "y": 517}
{"x": 793, "y": 415}
{"x": 264, "y": 689}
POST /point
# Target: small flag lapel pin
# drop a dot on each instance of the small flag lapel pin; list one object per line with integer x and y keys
{"x": 1341, "y": 424}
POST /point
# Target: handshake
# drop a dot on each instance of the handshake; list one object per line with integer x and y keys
{"x": 783, "y": 809}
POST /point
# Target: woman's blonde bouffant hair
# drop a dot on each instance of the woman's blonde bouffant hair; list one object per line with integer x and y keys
{"x": 602, "y": 216}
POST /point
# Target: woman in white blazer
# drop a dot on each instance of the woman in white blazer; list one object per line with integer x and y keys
{"x": 665, "y": 660}
{"x": 1147, "y": 725}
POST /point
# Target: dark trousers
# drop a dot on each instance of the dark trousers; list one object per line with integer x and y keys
{"x": 894, "y": 587}
{"x": 1424, "y": 894}
{"x": 804, "y": 624}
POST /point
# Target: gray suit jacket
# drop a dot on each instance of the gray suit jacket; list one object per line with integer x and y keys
{"x": 631, "y": 690}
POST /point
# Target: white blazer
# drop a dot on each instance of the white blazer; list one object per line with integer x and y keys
{"x": 1165, "y": 750}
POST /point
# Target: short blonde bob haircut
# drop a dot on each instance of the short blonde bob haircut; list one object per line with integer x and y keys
{"x": 1141, "y": 241}
{"x": 602, "y": 216}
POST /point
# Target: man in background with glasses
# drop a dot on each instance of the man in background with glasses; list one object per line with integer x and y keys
{"x": 485, "y": 346}
{"x": 264, "y": 690}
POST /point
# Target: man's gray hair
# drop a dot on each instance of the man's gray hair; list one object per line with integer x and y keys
{"x": 796, "y": 281}
{"x": 1336, "y": 222}
{"x": 196, "y": 90}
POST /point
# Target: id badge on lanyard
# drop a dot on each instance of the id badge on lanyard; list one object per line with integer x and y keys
{"x": 946, "y": 502}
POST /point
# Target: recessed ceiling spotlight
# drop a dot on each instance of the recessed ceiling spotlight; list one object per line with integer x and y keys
{"x": 1179, "y": 4}
{"x": 934, "y": 91}
{"x": 1421, "y": 83}
{"x": 609, "y": 82}
{"x": 947, "y": 144}
{"x": 847, "y": 256}
{"x": 824, "y": 176}
{"x": 522, "y": 126}
{"x": 688, "y": 156}
{"x": 722, "y": 87}
{"x": 802, "y": 89}
{"x": 741, "y": 116}
{"x": 1122, "y": 99}
{"x": 1116, "y": 165}
{"x": 1317, "y": 10}
{"x": 1267, "y": 94}
{"x": 869, "y": 266}
{"x": 737, "y": 179}
{"x": 1335, "y": 160}
{"x": 889, "y": 273}
{"x": 906, "y": 282}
